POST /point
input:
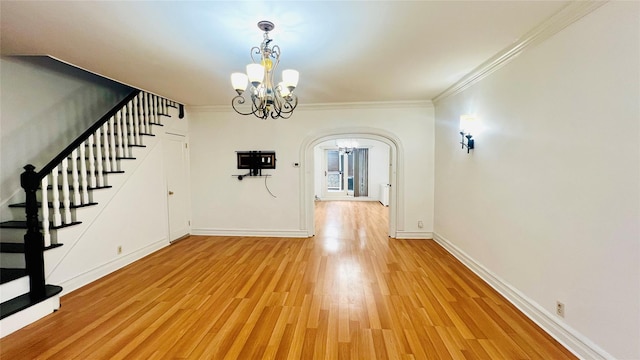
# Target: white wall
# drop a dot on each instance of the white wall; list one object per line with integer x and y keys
{"x": 223, "y": 205}
{"x": 549, "y": 201}
{"x": 132, "y": 214}
{"x": 379, "y": 165}
{"x": 44, "y": 106}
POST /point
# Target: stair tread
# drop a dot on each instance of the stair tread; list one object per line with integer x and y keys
{"x": 104, "y": 172}
{"x": 24, "y": 301}
{"x": 80, "y": 187}
{"x": 7, "y": 275}
{"x": 18, "y": 224}
{"x": 18, "y": 248}
{"x": 71, "y": 206}
{"x": 104, "y": 158}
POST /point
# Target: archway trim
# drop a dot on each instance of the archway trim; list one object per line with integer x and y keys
{"x": 396, "y": 173}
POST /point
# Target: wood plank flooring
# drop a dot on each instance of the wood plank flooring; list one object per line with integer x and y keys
{"x": 350, "y": 292}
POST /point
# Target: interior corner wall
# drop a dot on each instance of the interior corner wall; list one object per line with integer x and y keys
{"x": 45, "y": 105}
{"x": 549, "y": 200}
{"x": 221, "y": 204}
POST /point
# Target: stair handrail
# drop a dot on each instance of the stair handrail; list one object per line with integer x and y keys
{"x": 85, "y": 135}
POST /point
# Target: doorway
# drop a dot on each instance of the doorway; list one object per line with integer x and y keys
{"x": 384, "y": 186}
{"x": 176, "y": 158}
{"x": 338, "y": 173}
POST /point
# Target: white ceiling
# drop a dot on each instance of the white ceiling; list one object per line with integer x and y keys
{"x": 346, "y": 51}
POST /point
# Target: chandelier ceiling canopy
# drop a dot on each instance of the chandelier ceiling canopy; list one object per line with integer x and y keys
{"x": 267, "y": 99}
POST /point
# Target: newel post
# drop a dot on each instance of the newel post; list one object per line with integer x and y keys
{"x": 33, "y": 239}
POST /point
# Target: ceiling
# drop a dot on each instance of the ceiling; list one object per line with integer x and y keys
{"x": 346, "y": 51}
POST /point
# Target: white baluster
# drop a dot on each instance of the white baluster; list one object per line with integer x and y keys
{"x": 105, "y": 142}
{"x": 92, "y": 163}
{"x": 45, "y": 212}
{"x": 154, "y": 109}
{"x": 83, "y": 175}
{"x": 147, "y": 113}
{"x": 125, "y": 134}
{"x": 55, "y": 192}
{"x": 112, "y": 146}
{"x": 136, "y": 120}
{"x": 129, "y": 126}
{"x": 74, "y": 178}
{"x": 66, "y": 202}
{"x": 100, "y": 169}
{"x": 120, "y": 137}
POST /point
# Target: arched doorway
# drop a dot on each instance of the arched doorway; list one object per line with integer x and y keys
{"x": 396, "y": 214}
{"x": 353, "y": 169}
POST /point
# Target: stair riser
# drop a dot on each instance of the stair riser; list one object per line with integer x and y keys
{"x": 12, "y": 236}
{"x": 19, "y": 214}
{"x": 105, "y": 183}
{"x": 12, "y": 261}
{"x": 88, "y": 166}
{"x": 17, "y": 236}
{"x": 14, "y": 288}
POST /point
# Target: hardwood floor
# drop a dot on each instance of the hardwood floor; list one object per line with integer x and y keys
{"x": 348, "y": 292}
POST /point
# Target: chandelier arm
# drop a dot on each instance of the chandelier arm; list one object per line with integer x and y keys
{"x": 277, "y": 107}
{"x": 239, "y": 100}
{"x": 255, "y": 51}
{"x": 258, "y": 107}
{"x": 255, "y": 107}
{"x": 283, "y": 107}
{"x": 275, "y": 53}
{"x": 290, "y": 105}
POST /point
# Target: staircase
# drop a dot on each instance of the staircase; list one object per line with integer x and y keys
{"x": 55, "y": 198}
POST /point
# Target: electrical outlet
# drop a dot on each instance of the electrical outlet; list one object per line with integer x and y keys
{"x": 420, "y": 224}
{"x": 119, "y": 250}
{"x": 559, "y": 309}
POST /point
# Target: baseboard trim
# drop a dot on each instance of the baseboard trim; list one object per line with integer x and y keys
{"x": 414, "y": 235}
{"x": 575, "y": 342}
{"x": 100, "y": 271}
{"x": 249, "y": 233}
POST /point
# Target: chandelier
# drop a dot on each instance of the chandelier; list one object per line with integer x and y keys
{"x": 346, "y": 145}
{"x": 267, "y": 99}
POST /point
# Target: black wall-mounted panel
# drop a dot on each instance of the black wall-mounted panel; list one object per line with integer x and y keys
{"x": 254, "y": 160}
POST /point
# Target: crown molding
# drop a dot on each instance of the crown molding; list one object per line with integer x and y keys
{"x": 368, "y": 105}
{"x": 571, "y": 13}
{"x": 208, "y": 108}
{"x": 330, "y": 106}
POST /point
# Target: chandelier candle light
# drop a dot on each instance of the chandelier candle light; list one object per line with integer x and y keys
{"x": 266, "y": 99}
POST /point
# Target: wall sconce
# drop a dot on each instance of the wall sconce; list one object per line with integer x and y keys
{"x": 467, "y": 124}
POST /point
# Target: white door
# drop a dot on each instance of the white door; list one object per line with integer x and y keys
{"x": 176, "y": 157}
{"x": 338, "y": 179}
